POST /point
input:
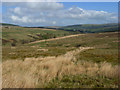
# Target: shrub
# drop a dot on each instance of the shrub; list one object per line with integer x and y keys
{"x": 13, "y": 44}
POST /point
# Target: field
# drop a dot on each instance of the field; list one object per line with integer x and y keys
{"x": 16, "y": 35}
{"x": 88, "y": 60}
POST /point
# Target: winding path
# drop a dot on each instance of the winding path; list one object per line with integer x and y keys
{"x": 52, "y": 39}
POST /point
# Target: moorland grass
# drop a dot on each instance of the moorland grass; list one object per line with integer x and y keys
{"x": 106, "y": 48}
{"x": 93, "y": 68}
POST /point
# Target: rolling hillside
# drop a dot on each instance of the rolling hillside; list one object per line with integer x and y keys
{"x": 91, "y": 28}
{"x": 16, "y": 35}
{"x": 48, "y": 57}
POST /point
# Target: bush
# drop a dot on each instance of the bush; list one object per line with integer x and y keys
{"x": 13, "y": 44}
{"x": 24, "y": 41}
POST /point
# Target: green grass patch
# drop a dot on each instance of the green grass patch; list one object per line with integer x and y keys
{"x": 82, "y": 81}
{"x": 99, "y": 55}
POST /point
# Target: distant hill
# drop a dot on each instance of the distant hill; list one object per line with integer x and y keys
{"x": 53, "y": 27}
{"x": 6, "y": 24}
{"x": 80, "y": 28}
{"x": 91, "y": 28}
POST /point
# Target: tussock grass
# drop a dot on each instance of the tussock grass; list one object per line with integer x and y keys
{"x": 35, "y": 72}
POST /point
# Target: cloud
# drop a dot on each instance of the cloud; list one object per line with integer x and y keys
{"x": 60, "y": 1}
{"x": 79, "y": 13}
{"x": 17, "y": 10}
{"x": 52, "y": 13}
{"x": 29, "y": 0}
{"x": 23, "y": 19}
{"x": 45, "y": 6}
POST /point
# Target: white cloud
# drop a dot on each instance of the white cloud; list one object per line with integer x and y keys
{"x": 38, "y": 14}
{"x": 54, "y": 22}
{"x": 45, "y": 6}
{"x": 40, "y": 21}
{"x": 79, "y": 13}
{"x": 17, "y": 10}
{"x": 60, "y": 0}
{"x": 23, "y": 19}
{"x": 29, "y": 0}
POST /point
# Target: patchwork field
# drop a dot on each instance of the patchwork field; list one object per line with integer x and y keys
{"x": 76, "y": 61}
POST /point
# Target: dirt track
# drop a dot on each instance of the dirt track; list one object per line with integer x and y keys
{"x": 56, "y": 38}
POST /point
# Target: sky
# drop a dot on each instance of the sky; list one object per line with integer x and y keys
{"x": 59, "y": 13}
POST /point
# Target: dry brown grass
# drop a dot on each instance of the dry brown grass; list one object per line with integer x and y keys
{"x": 33, "y": 71}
